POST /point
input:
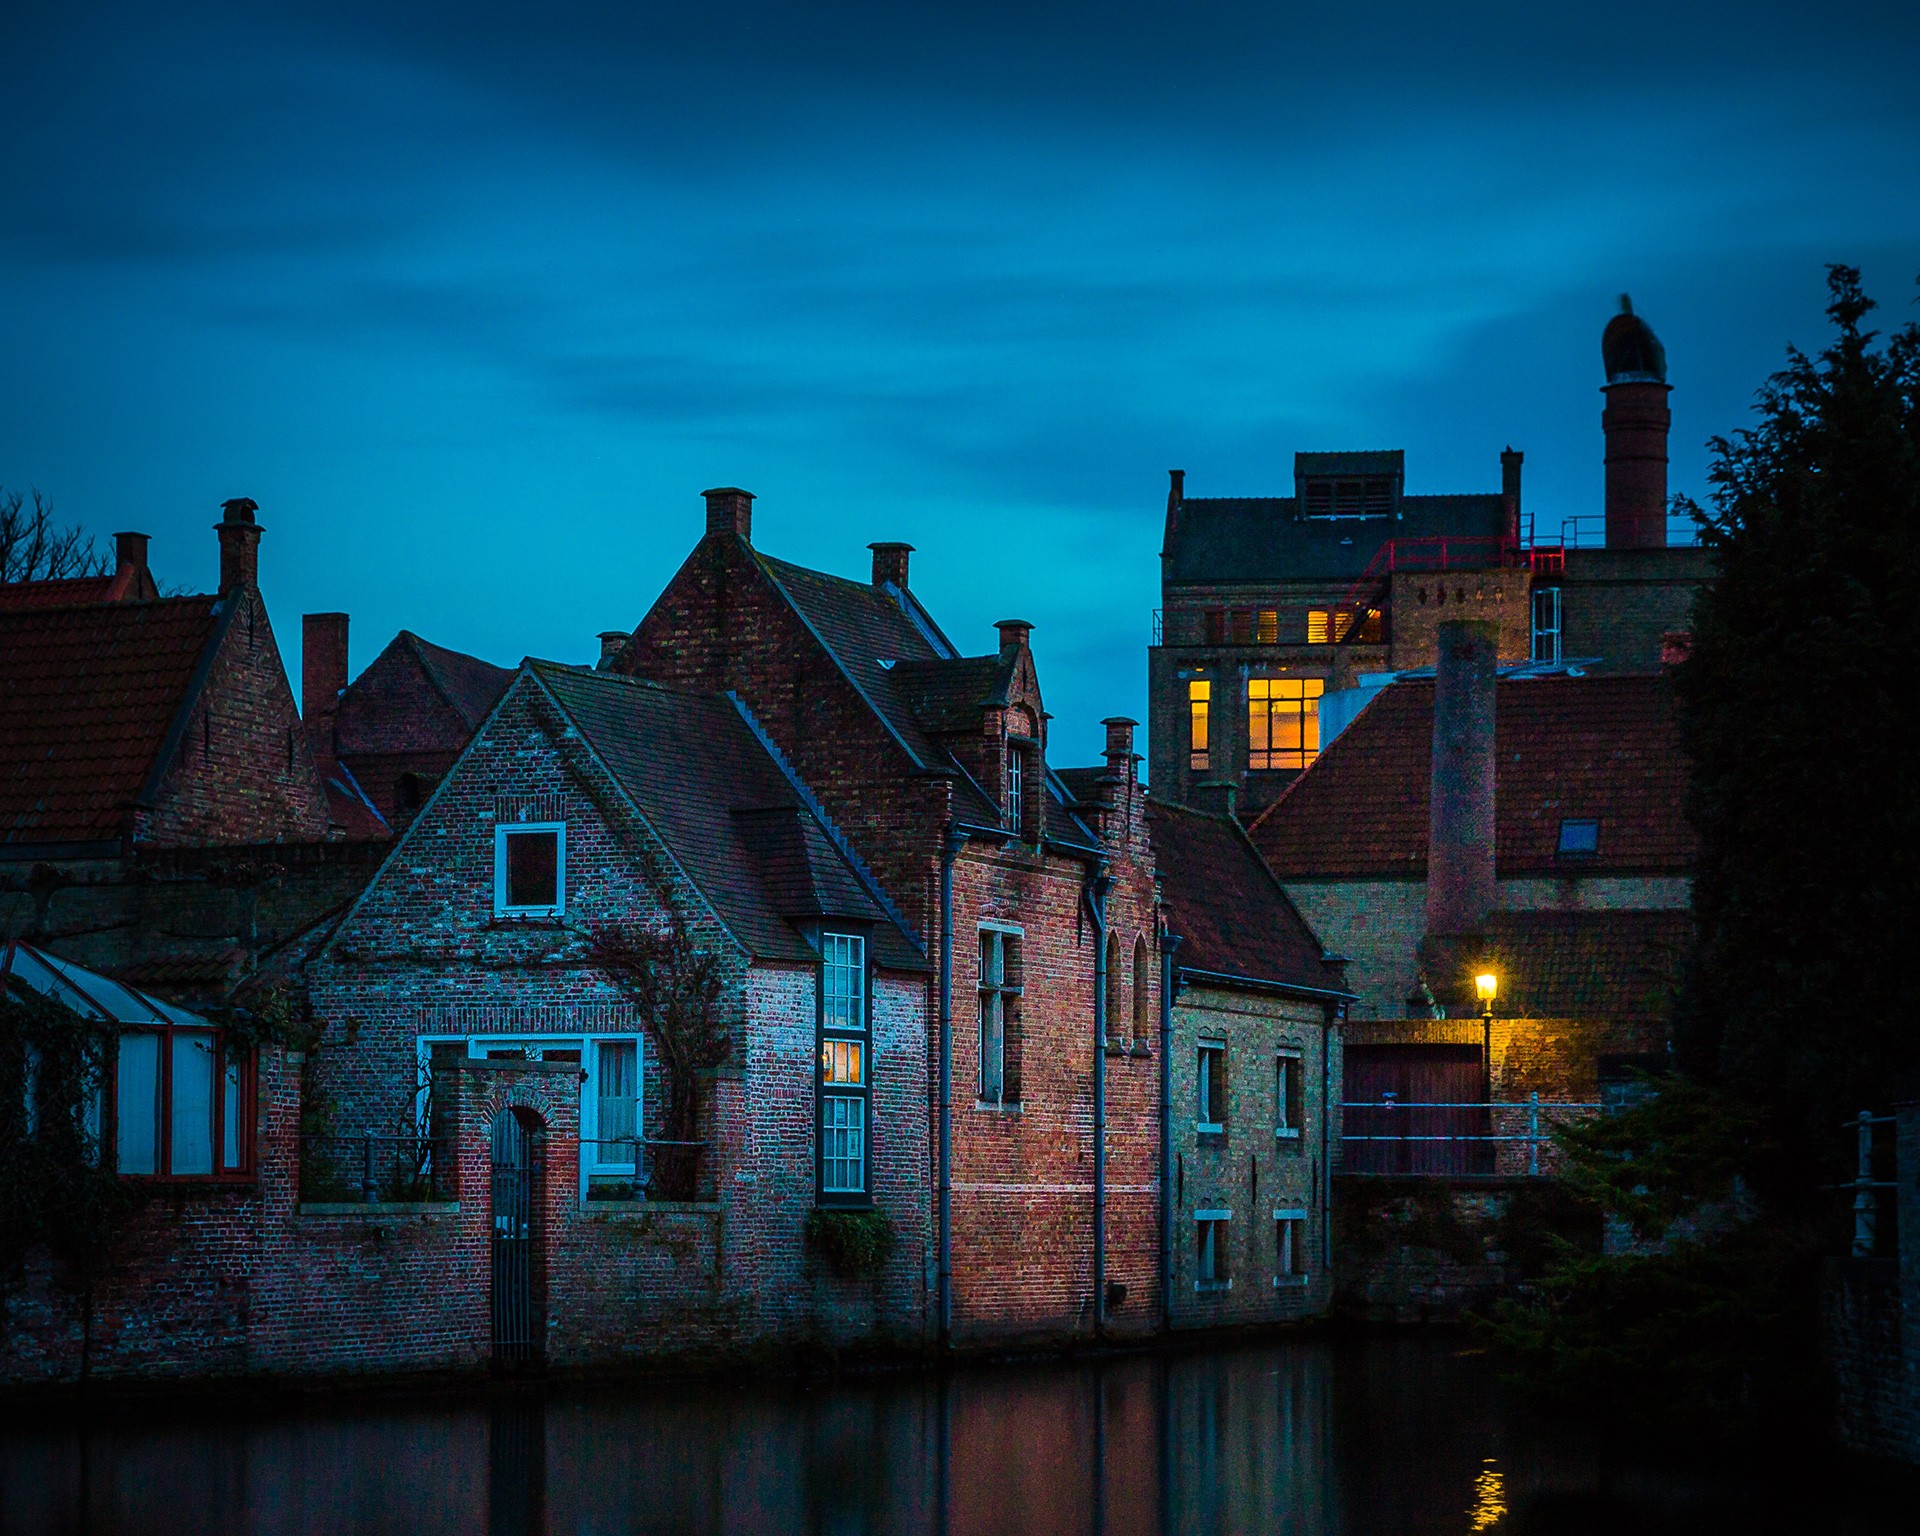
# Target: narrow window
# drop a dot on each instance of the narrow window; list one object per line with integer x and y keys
{"x": 1016, "y": 799}
{"x": 999, "y": 1017}
{"x": 1242, "y": 625}
{"x": 1211, "y": 1267}
{"x": 616, "y": 1117}
{"x": 1579, "y": 839}
{"x": 137, "y": 1104}
{"x": 1546, "y": 624}
{"x": 1289, "y": 1247}
{"x": 1116, "y": 988}
{"x": 1266, "y": 627}
{"x": 1283, "y": 721}
{"x": 1215, "y": 620}
{"x": 845, "y": 1085}
{"x": 1210, "y": 1086}
{"x": 1142, "y": 991}
{"x": 1287, "y": 1107}
{"x": 1319, "y": 629}
{"x": 530, "y": 869}
{"x": 191, "y": 1118}
{"x": 1199, "y": 700}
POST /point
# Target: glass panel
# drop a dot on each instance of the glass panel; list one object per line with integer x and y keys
{"x": 232, "y": 1146}
{"x": 618, "y": 1108}
{"x": 843, "y": 1146}
{"x": 844, "y": 975}
{"x": 993, "y": 1046}
{"x": 191, "y": 1123}
{"x": 841, "y": 1062}
{"x": 137, "y": 1104}
{"x": 1199, "y": 701}
{"x": 533, "y": 869}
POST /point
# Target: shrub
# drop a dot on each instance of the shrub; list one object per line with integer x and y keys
{"x": 853, "y": 1243}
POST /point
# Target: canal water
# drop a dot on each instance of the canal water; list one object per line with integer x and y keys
{"x": 1399, "y": 1435}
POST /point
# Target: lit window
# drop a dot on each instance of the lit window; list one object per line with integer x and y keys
{"x": 1283, "y": 721}
{"x": 1211, "y": 1248}
{"x": 1266, "y": 627}
{"x": 1546, "y": 624}
{"x": 1199, "y": 701}
{"x": 1289, "y": 1246}
{"x": 845, "y": 1041}
{"x": 1210, "y": 1086}
{"x": 1579, "y": 839}
{"x": 1319, "y": 627}
{"x": 530, "y": 869}
{"x": 1287, "y": 1106}
{"x": 180, "y": 1101}
{"x": 999, "y": 1017}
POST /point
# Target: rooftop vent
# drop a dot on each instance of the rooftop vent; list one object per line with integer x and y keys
{"x": 1349, "y": 484}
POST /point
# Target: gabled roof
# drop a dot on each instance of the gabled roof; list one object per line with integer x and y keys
{"x": 1590, "y": 964}
{"x": 470, "y": 685}
{"x": 348, "y": 807}
{"x": 61, "y": 592}
{"x": 727, "y": 813}
{"x": 1602, "y": 749}
{"x": 949, "y": 695}
{"x": 1262, "y": 538}
{"x": 88, "y": 696}
{"x": 417, "y": 696}
{"x": 1231, "y": 914}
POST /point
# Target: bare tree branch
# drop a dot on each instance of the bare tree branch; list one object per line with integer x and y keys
{"x": 35, "y": 548}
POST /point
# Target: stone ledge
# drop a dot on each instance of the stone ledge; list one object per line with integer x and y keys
{"x": 628, "y": 1209}
{"x": 380, "y": 1209}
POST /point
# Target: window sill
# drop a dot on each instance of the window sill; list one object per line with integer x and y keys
{"x": 380, "y": 1210}
{"x": 1010, "y": 1107}
{"x": 1207, "y": 1287}
{"x": 544, "y": 917}
{"x": 1210, "y": 1128}
{"x": 1292, "y": 1282}
{"x": 1140, "y": 1048}
{"x": 1284, "y": 1133}
{"x": 1116, "y": 1046}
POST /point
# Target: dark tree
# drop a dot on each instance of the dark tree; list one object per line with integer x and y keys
{"x": 1798, "y": 702}
{"x": 35, "y": 548}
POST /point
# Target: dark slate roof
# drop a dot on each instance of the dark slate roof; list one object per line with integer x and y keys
{"x": 726, "y": 811}
{"x": 87, "y": 698}
{"x": 1603, "y": 749}
{"x": 349, "y": 808}
{"x": 950, "y": 694}
{"x": 1260, "y": 538}
{"x": 1083, "y": 784}
{"x": 1589, "y": 964}
{"x": 1232, "y": 915}
{"x": 470, "y": 685}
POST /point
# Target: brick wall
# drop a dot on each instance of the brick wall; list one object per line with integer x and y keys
{"x": 1424, "y": 600}
{"x": 1619, "y": 603}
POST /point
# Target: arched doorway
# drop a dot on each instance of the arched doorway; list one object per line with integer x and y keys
{"x": 518, "y": 1315}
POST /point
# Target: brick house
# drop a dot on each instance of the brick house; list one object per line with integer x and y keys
{"x": 1036, "y": 898}
{"x": 586, "y": 800}
{"x": 1252, "y": 1070}
{"x": 388, "y": 736}
{"x": 159, "y": 805}
{"x": 1279, "y": 614}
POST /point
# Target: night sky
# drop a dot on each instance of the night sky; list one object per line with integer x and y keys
{"x": 475, "y": 300}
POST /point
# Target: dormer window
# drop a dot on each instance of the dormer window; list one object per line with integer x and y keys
{"x": 1350, "y": 496}
{"x": 1579, "y": 839}
{"x": 1016, "y": 788}
{"x": 530, "y": 869}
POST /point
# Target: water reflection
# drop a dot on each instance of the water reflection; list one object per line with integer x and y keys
{"x": 1403, "y": 1436}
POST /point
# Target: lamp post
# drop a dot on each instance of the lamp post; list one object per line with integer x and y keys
{"x": 1487, "y": 984}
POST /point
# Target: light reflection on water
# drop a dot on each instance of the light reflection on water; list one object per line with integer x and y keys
{"x": 1404, "y": 1435}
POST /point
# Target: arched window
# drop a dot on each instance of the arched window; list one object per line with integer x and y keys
{"x": 1116, "y": 987}
{"x": 1142, "y": 991}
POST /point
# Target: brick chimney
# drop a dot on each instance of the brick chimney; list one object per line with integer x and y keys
{"x": 1460, "y": 837}
{"x": 129, "y": 552}
{"x": 132, "y": 582}
{"x": 612, "y": 643}
{"x": 239, "y": 545}
{"x": 323, "y": 678}
{"x": 1013, "y": 636}
{"x": 730, "y": 510}
{"x": 890, "y": 564}
{"x": 1510, "y": 461}
{"x": 1635, "y": 422}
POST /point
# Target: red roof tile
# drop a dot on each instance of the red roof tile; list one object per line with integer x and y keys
{"x": 1603, "y": 749}
{"x": 86, "y": 698}
{"x": 1589, "y": 965}
{"x": 63, "y": 592}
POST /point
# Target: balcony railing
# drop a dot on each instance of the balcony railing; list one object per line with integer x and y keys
{"x": 375, "y": 1169}
{"x": 1390, "y": 1135}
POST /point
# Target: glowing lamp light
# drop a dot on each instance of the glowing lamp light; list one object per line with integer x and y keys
{"x": 1487, "y": 985}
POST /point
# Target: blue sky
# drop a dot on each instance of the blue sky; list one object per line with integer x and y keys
{"x": 474, "y": 301}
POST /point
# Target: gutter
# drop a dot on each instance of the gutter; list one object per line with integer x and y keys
{"x": 1095, "y": 897}
{"x": 1261, "y": 984}
{"x": 949, "y": 851}
{"x": 1169, "y": 979}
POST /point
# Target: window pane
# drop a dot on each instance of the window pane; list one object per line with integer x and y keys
{"x": 137, "y": 1104}
{"x": 844, "y": 978}
{"x": 533, "y": 869}
{"x": 841, "y": 1061}
{"x": 843, "y": 1145}
{"x": 232, "y": 1147}
{"x": 191, "y": 1122}
{"x": 993, "y": 1044}
{"x": 618, "y": 1104}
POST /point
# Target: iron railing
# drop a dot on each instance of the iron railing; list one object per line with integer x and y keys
{"x": 1522, "y": 1128}
{"x": 1865, "y": 1187}
{"x": 373, "y": 1169}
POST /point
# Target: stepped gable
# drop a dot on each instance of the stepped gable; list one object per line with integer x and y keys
{"x": 1231, "y": 913}
{"x": 1601, "y": 749}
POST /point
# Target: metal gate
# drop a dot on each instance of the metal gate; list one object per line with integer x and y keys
{"x": 516, "y": 1311}
{"x": 1415, "y": 1109}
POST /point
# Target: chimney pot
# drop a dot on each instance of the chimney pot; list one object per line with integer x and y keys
{"x": 612, "y": 643}
{"x": 890, "y": 564}
{"x": 1013, "y": 636}
{"x": 129, "y": 551}
{"x": 1119, "y": 738}
{"x": 1460, "y": 842}
{"x": 1510, "y": 461}
{"x": 239, "y": 545}
{"x": 730, "y": 510}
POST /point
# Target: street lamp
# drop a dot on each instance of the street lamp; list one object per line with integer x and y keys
{"x": 1487, "y": 984}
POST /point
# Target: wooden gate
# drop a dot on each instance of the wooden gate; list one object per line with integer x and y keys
{"x": 1409, "y": 1131}
{"x": 517, "y": 1320}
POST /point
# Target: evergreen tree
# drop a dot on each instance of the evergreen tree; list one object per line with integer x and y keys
{"x": 1801, "y": 708}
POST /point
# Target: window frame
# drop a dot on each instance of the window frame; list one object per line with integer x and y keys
{"x": 1213, "y": 1249}
{"x": 1200, "y": 716}
{"x": 1205, "y": 1087}
{"x": 1264, "y": 711}
{"x": 1292, "y": 1247}
{"x": 1015, "y": 809}
{"x": 999, "y": 1000}
{"x": 1591, "y": 824}
{"x": 1552, "y": 632}
{"x": 1289, "y": 1096}
{"x": 225, "y": 1057}
{"x": 505, "y": 830}
{"x": 853, "y": 1041}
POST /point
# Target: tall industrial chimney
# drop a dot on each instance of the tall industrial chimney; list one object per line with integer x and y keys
{"x": 1460, "y": 829}
{"x": 1635, "y": 421}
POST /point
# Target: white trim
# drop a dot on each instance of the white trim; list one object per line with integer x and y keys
{"x": 1289, "y": 1215}
{"x": 1300, "y": 1281}
{"x": 1214, "y": 1285}
{"x": 1210, "y": 1127}
{"x": 998, "y": 926}
{"x": 1287, "y": 1132}
{"x": 501, "y": 832}
{"x": 1213, "y": 1215}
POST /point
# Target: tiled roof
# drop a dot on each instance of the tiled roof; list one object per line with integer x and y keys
{"x": 65, "y": 592}
{"x": 471, "y": 685}
{"x": 1259, "y": 538}
{"x": 725, "y": 810}
{"x": 1602, "y": 749}
{"x": 1232, "y": 915}
{"x": 349, "y": 808}
{"x": 206, "y": 976}
{"x": 87, "y": 696}
{"x": 949, "y": 695}
{"x": 1589, "y": 964}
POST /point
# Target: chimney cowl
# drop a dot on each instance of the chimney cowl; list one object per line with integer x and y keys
{"x": 1119, "y": 737}
{"x": 890, "y": 563}
{"x": 612, "y": 643}
{"x": 1013, "y": 635}
{"x": 730, "y": 510}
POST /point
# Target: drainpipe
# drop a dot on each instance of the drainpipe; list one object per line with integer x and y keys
{"x": 949, "y": 851}
{"x": 1169, "y": 944}
{"x": 1326, "y": 1137}
{"x": 1096, "y": 899}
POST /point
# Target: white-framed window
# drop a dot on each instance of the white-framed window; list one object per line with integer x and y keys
{"x": 845, "y": 1086}
{"x": 999, "y": 1017}
{"x": 1288, "y": 1105}
{"x": 1211, "y": 1250}
{"x": 1546, "y": 623}
{"x": 530, "y": 869}
{"x": 181, "y": 1105}
{"x": 1290, "y": 1256}
{"x": 1016, "y": 794}
{"x": 1210, "y": 1086}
